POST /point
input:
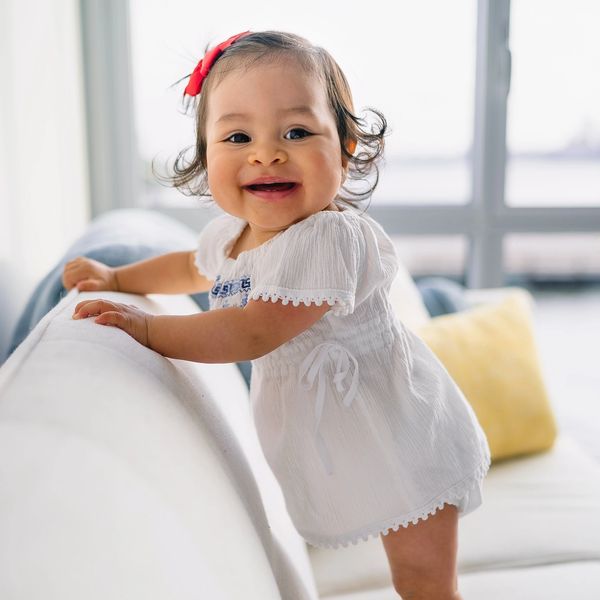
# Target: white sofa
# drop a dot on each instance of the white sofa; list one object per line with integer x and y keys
{"x": 126, "y": 475}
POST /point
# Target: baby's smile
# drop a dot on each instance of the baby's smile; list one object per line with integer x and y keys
{"x": 271, "y": 188}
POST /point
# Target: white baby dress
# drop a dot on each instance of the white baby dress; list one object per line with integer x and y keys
{"x": 362, "y": 426}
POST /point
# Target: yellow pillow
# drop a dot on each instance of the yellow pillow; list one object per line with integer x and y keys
{"x": 490, "y": 352}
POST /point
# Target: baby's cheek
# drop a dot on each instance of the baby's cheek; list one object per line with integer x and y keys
{"x": 329, "y": 167}
{"x": 219, "y": 181}
{"x": 213, "y": 176}
{"x": 220, "y": 168}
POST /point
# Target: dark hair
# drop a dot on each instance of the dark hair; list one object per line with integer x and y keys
{"x": 190, "y": 176}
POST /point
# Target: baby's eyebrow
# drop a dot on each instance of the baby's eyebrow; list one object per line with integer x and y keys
{"x": 303, "y": 109}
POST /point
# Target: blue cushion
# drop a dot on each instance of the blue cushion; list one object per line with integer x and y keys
{"x": 441, "y": 295}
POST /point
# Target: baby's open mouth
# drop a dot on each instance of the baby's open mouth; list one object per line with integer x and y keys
{"x": 280, "y": 186}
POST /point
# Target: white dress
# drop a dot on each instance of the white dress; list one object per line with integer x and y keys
{"x": 362, "y": 426}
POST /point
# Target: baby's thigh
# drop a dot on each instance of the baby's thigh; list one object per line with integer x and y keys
{"x": 422, "y": 557}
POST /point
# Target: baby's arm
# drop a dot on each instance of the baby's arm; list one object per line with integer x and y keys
{"x": 173, "y": 273}
{"x": 232, "y": 334}
{"x": 222, "y": 335}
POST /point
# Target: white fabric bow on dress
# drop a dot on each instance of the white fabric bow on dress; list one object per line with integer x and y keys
{"x": 315, "y": 363}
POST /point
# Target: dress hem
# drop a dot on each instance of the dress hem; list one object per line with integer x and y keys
{"x": 453, "y": 495}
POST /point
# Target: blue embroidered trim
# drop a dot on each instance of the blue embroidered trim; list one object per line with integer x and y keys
{"x": 223, "y": 289}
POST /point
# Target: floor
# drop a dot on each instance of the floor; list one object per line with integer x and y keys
{"x": 567, "y": 329}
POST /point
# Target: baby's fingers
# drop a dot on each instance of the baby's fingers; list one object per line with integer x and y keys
{"x": 88, "y": 285}
{"x": 74, "y": 273}
{"x": 69, "y": 279}
{"x": 92, "y": 307}
{"x": 80, "y": 305}
{"x": 113, "y": 318}
{"x": 75, "y": 262}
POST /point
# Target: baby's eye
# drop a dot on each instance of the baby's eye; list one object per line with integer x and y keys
{"x": 238, "y": 138}
{"x": 297, "y": 134}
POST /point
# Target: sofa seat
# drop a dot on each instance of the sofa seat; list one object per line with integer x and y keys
{"x": 538, "y": 525}
{"x": 563, "y": 581}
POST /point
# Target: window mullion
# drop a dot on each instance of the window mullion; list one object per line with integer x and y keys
{"x": 492, "y": 81}
{"x": 112, "y": 149}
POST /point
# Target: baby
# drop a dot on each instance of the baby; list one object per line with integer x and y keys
{"x": 363, "y": 427}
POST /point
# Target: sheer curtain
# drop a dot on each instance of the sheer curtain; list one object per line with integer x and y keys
{"x": 43, "y": 169}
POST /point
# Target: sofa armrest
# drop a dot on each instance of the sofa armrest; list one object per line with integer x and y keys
{"x": 128, "y": 474}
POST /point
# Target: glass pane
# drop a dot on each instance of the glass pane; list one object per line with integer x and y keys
{"x": 413, "y": 61}
{"x": 553, "y": 128}
{"x": 431, "y": 255}
{"x": 556, "y": 256}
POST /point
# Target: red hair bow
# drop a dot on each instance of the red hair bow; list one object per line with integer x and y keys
{"x": 203, "y": 67}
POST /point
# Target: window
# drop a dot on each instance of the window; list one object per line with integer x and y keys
{"x": 417, "y": 67}
{"x": 553, "y": 123}
{"x": 560, "y": 256}
{"x": 472, "y": 155}
{"x": 423, "y": 255}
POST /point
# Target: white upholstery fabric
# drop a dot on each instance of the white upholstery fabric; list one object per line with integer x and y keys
{"x": 290, "y": 555}
{"x": 407, "y": 301}
{"x": 127, "y": 475}
{"x": 579, "y": 580}
{"x": 537, "y": 510}
{"x": 120, "y": 476}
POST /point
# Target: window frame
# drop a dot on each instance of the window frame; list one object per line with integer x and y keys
{"x": 115, "y": 169}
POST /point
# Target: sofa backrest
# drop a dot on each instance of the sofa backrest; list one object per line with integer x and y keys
{"x": 124, "y": 474}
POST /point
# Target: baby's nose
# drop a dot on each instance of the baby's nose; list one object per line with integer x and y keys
{"x": 267, "y": 155}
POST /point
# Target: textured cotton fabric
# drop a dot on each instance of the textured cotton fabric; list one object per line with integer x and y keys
{"x": 363, "y": 427}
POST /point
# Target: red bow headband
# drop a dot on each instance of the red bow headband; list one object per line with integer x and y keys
{"x": 203, "y": 67}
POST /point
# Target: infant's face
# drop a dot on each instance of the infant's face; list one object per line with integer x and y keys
{"x": 271, "y": 124}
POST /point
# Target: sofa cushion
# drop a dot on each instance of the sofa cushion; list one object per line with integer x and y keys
{"x": 579, "y": 580}
{"x": 122, "y": 478}
{"x": 442, "y": 295}
{"x": 490, "y": 352}
{"x": 540, "y": 509}
{"x": 406, "y": 300}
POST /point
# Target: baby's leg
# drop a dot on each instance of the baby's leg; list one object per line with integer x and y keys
{"x": 422, "y": 557}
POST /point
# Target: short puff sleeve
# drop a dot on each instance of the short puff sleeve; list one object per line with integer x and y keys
{"x": 210, "y": 248}
{"x": 317, "y": 260}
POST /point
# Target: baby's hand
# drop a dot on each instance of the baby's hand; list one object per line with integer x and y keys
{"x": 89, "y": 275}
{"x": 127, "y": 317}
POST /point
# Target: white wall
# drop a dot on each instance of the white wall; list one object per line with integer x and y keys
{"x": 44, "y": 201}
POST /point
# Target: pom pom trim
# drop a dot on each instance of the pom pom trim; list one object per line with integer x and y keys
{"x": 454, "y": 495}
{"x": 341, "y": 301}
